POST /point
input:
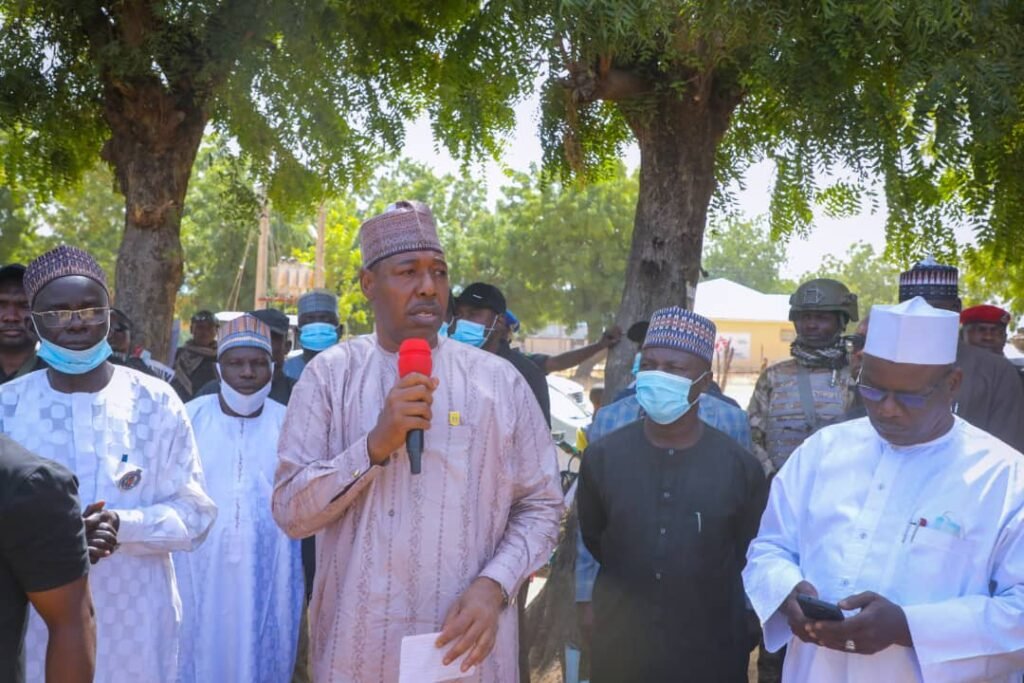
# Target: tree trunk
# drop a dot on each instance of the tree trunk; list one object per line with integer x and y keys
{"x": 678, "y": 141}
{"x": 155, "y": 135}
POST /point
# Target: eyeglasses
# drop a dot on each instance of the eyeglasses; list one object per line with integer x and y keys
{"x": 58, "y": 320}
{"x": 906, "y": 399}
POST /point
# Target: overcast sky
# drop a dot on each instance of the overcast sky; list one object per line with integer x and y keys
{"x": 830, "y": 236}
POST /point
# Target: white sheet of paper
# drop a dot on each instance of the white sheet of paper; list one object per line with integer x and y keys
{"x": 423, "y": 662}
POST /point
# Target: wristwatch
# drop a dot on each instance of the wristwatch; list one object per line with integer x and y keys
{"x": 505, "y": 599}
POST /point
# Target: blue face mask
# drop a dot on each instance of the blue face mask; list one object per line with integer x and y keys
{"x": 636, "y": 364}
{"x": 469, "y": 332}
{"x": 318, "y": 336}
{"x": 664, "y": 397}
{"x": 71, "y": 362}
{"x": 443, "y": 332}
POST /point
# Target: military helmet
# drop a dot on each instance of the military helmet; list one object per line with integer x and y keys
{"x": 823, "y": 294}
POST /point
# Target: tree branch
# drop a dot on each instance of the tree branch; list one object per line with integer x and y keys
{"x": 608, "y": 83}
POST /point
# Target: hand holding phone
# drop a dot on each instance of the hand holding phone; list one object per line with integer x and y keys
{"x": 819, "y": 610}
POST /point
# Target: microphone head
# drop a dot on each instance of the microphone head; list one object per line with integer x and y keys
{"x": 414, "y": 356}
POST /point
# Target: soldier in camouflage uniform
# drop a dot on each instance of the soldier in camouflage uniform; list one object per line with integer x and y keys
{"x": 796, "y": 397}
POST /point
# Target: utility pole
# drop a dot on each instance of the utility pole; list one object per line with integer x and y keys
{"x": 319, "y": 273}
{"x": 261, "y": 256}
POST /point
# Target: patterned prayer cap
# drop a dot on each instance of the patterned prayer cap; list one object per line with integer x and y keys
{"x": 930, "y": 280}
{"x": 404, "y": 226}
{"x": 244, "y": 331}
{"x": 62, "y": 261}
{"x": 678, "y": 328}
{"x": 318, "y": 301}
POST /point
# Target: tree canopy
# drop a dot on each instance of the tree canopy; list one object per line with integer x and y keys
{"x": 745, "y": 252}
{"x": 309, "y": 92}
{"x": 916, "y": 103}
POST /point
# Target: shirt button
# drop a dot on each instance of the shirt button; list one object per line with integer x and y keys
{"x": 863, "y": 535}
{"x": 657, "y": 575}
{"x": 355, "y": 473}
{"x": 391, "y": 513}
{"x": 662, "y": 531}
{"x": 846, "y": 582}
{"x": 881, "y": 487}
{"x": 666, "y": 495}
{"x": 671, "y": 451}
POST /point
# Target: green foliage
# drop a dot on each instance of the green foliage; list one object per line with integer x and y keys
{"x": 88, "y": 214}
{"x": 220, "y": 230}
{"x": 221, "y": 215}
{"x": 15, "y": 227}
{"x": 563, "y": 248}
{"x": 310, "y": 91}
{"x": 989, "y": 277}
{"x": 871, "y": 277}
{"x": 916, "y": 103}
{"x": 342, "y": 263}
{"x": 745, "y": 252}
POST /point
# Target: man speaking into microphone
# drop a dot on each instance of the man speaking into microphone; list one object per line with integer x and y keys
{"x": 403, "y": 554}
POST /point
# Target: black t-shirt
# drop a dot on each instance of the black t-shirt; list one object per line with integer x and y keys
{"x": 533, "y": 375}
{"x": 42, "y": 542}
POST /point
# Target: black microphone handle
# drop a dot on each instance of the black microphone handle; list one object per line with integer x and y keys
{"x": 414, "y": 445}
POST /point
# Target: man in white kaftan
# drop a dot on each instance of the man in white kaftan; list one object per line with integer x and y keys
{"x": 129, "y": 445}
{"x": 911, "y": 515}
{"x": 127, "y": 439}
{"x": 242, "y": 592}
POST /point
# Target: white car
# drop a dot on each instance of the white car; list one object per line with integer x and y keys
{"x": 570, "y": 408}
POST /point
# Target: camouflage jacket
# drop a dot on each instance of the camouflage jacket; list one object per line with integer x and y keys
{"x": 778, "y": 423}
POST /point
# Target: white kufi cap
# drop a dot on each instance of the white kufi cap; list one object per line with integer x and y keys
{"x": 913, "y": 332}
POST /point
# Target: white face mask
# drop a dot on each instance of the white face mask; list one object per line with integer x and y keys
{"x": 244, "y": 404}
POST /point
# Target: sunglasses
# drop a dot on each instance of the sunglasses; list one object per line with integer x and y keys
{"x": 910, "y": 400}
{"x": 60, "y": 319}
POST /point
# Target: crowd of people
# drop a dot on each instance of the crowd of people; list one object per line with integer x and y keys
{"x": 250, "y": 515}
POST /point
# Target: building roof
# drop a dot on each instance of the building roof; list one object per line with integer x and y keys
{"x": 722, "y": 299}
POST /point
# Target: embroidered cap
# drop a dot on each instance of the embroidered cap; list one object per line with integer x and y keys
{"x": 678, "y": 328}
{"x": 405, "y": 226}
{"x": 931, "y": 280}
{"x": 62, "y": 261}
{"x": 318, "y": 301}
{"x": 245, "y": 331}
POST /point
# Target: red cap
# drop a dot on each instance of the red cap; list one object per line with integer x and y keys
{"x": 984, "y": 314}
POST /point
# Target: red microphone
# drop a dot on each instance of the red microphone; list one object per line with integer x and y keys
{"x": 414, "y": 356}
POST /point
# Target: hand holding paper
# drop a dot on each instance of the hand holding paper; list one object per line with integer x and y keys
{"x": 423, "y": 662}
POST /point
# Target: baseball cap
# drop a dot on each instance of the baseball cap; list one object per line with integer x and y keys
{"x": 637, "y": 332}
{"x": 482, "y": 295}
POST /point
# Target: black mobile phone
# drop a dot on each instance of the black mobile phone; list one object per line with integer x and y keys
{"x": 819, "y": 610}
